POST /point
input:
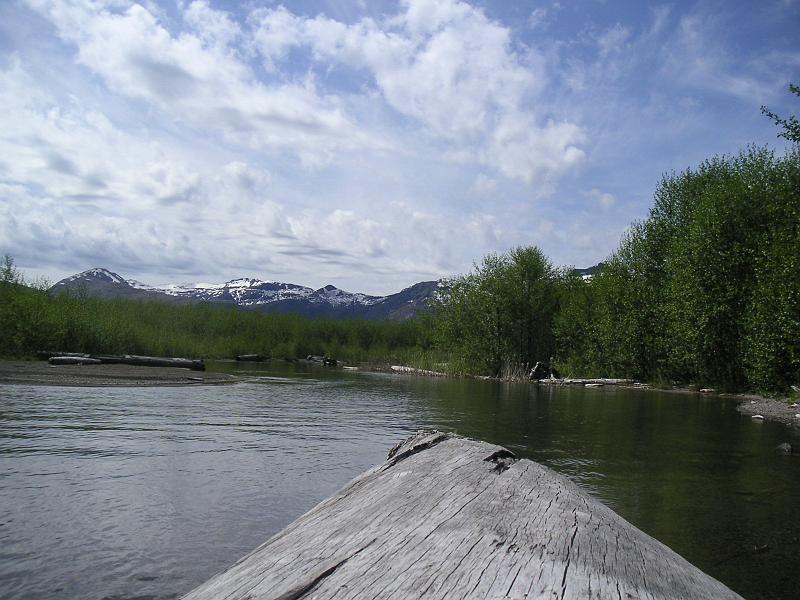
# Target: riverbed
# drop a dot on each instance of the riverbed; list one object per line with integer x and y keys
{"x": 134, "y": 492}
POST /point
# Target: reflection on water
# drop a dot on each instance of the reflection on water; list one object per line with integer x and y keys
{"x": 144, "y": 493}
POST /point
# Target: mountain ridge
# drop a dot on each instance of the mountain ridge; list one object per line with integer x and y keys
{"x": 249, "y": 293}
{"x": 255, "y": 294}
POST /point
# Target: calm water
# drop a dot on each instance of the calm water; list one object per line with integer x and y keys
{"x": 126, "y": 493}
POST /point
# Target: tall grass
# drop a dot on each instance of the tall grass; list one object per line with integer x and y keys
{"x": 31, "y": 319}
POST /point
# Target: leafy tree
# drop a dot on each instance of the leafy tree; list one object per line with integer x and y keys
{"x": 8, "y": 272}
{"x": 499, "y": 318}
{"x": 706, "y": 289}
{"x": 791, "y": 126}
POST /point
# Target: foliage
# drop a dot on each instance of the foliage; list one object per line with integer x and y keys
{"x": 32, "y": 319}
{"x": 8, "y": 272}
{"x": 707, "y": 289}
{"x": 499, "y": 317}
{"x": 790, "y": 125}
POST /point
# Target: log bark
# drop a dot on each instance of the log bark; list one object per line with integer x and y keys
{"x": 73, "y": 360}
{"x": 415, "y": 371}
{"x": 575, "y": 381}
{"x": 250, "y": 358}
{"x": 48, "y": 354}
{"x": 158, "y": 361}
{"x": 446, "y": 517}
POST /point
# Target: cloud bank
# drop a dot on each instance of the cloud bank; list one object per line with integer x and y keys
{"x": 399, "y": 143}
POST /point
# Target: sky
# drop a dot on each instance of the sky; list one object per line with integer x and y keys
{"x": 364, "y": 144}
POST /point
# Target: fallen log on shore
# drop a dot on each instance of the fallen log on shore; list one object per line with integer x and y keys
{"x": 415, "y": 371}
{"x": 48, "y": 354}
{"x": 446, "y": 517}
{"x": 73, "y": 360}
{"x": 127, "y": 359}
{"x": 574, "y": 381}
{"x": 158, "y": 361}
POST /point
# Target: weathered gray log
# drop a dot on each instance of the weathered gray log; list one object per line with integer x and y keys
{"x": 48, "y": 354}
{"x": 575, "y": 381}
{"x": 250, "y": 358}
{"x": 448, "y": 517}
{"x": 154, "y": 361}
{"x": 72, "y": 360}
{"x": 127, "y": 359}
{"x": 415, "y": 371}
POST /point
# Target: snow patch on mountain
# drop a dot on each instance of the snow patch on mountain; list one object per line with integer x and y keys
{"x": 249, "y": 292}
{"x": 98, "y": 273}
{"x": 336, "y": 297}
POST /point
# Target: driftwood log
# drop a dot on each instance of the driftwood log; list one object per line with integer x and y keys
{"x": 127, "y": 359}
{"x": 157, "y": 361}
{"x": 415, "y": 371}
{"x": 447, "y": 517}
{"x": 48, "y": 354}
{"x": 73, "y": 360}
{"x": 574, "y": 381}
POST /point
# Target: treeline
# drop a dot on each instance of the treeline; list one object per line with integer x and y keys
{"x": 705, "y": 290}
{"x": 31, "y": 319}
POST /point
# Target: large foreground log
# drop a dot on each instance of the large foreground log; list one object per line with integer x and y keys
{"x": 446, "y": 517}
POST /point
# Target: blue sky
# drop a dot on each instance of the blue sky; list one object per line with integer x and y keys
{"x": 366, "y": 144}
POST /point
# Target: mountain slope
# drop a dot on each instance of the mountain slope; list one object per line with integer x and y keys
{"x": 255, "y": 294}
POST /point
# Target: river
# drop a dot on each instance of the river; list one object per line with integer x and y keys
{"x": 138, "y": 493}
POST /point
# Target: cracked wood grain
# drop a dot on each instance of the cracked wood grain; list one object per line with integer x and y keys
{"x": 446, "y": 517}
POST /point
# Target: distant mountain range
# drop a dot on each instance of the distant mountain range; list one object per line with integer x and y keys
{"x": 254, "y": 294}
{"x": 266, "y": 296}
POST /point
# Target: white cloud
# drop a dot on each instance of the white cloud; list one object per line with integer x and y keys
{"x": 82, "y": 192}
{"x": 613, "y": 39}
{"x": 368, "y": 152}
{"x": 604, "y": 199}
{"x": 213, "y": 27}
{"x": 452, "y": 70}
{"x": 538, "y": 18}
{"x": 196, "y": 78}
{"x": 541, "y": 17}
{"x": 698, "y": 55}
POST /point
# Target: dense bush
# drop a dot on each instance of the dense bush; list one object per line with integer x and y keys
{"x": 707, "y": 289}
{"x": 499, "y": 318}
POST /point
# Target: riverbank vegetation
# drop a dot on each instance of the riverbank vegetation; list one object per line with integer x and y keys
{"x": 705, "y": 290}
{"x": 31, "y": 319}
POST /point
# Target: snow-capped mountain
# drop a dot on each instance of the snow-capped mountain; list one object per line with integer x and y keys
{"x": 256, "y": 294}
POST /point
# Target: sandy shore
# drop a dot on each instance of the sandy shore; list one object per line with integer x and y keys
{"x": 42, "y": 373}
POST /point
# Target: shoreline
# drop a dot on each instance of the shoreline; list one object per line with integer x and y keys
{"x": 25, "y": 372}
{"x": 39, "y": 373}
{"x": 772, "y": 409}
{"x": 779, "y": 410}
